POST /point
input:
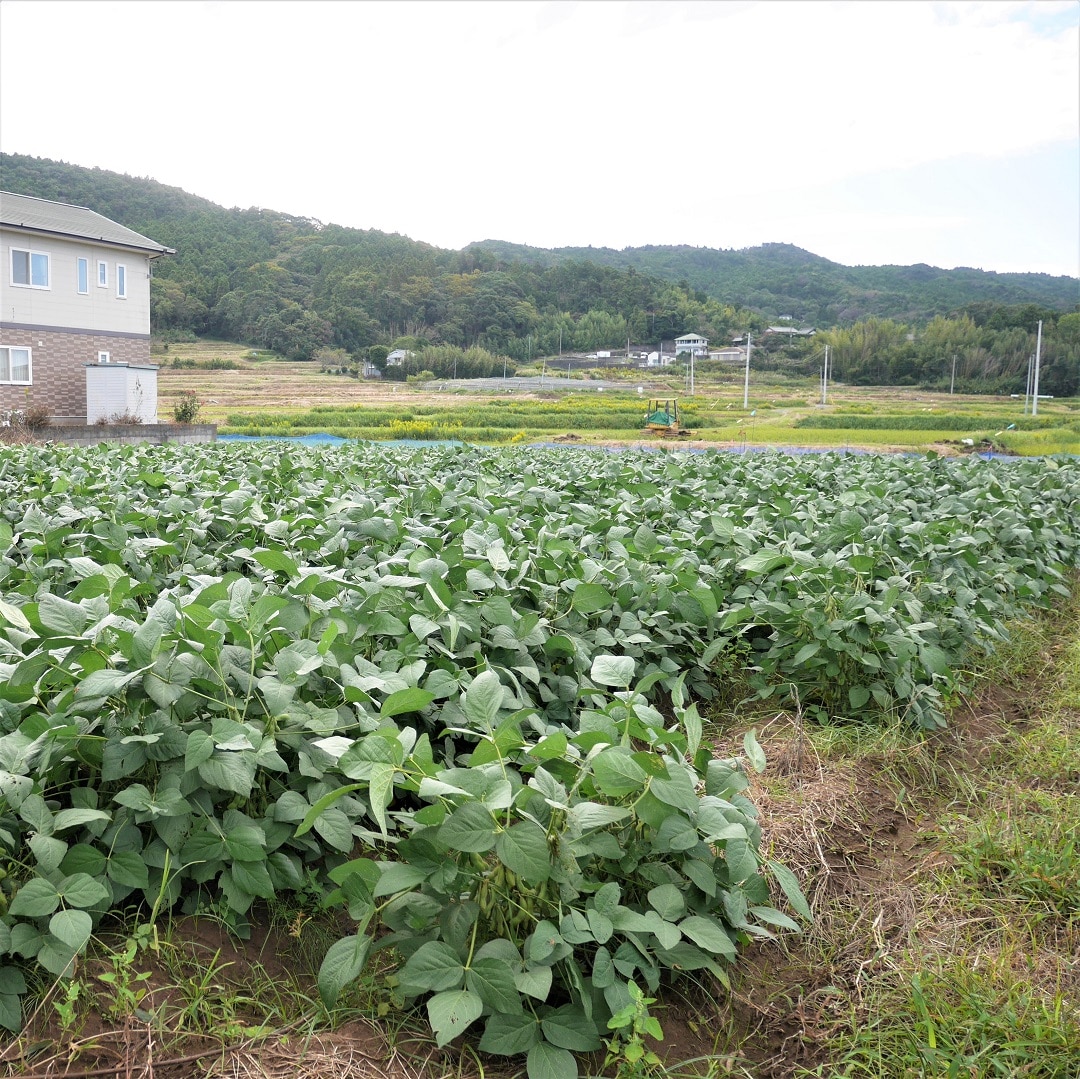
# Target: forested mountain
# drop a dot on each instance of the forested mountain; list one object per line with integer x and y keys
{"x": 781, "y": 280}
{"x": 297, "y": 285}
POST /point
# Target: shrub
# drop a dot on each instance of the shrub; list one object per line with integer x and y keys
{"x": 186, "y": 410}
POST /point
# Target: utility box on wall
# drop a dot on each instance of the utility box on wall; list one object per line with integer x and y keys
{"x": 121, "y": 393}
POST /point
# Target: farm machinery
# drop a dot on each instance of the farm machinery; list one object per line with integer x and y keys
{"x": 662, "y": 419}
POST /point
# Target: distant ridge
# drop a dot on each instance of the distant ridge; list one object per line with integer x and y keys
{"x": 295, "y": 284}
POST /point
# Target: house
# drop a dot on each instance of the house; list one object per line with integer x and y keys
{"x": 74, "y": 295}
{"x": 397, "y": 357}
{"x": 729, "y": 354}
{"x": 692, "y": 343}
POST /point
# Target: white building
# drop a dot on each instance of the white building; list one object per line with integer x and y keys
{"x": 693, "y": 344}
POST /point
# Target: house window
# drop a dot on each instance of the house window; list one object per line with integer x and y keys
{"x": 15, "y": 365}
{"x": 102, "y": 357}
{"x": 83, "y": 269}
{"x": 121, "y": 281}
{"x": 103, "y": 274}
{"x": 30, "y": 269}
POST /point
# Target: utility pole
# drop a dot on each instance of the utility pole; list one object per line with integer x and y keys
{"x": 1035, "y": 381}
{"x": 746, "y": 380}
{"x": 952, "y": 380}
{"x": 825, "y": 377}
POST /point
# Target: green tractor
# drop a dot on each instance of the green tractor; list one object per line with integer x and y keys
{"x": 663, "y": 419}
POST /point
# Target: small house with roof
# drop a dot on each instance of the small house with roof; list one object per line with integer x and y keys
{"x": 74, "y": 295}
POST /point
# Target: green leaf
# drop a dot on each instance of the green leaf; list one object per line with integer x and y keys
{"x": 550, "y": 1062}
{"x": 70, "y": 818}
{"x": 412, "y": 699}
{"x": 790, "y": 885}
{"x": 254, "y": 878}
{"x": 105, "y": 683}
{"x": 200, "y": 747}
{"x": 66, "y": 618}
{"x": 342, "y": 964}
{"x": 82, "y": 890}
{"x": 37, "y": 898}
{"x": 569, "y": 1028}
{"x": 508, "y": 1035}
{"x": 858, "y": 696}
{"x": 323, "y": 804}
{"x": 433, "y": 966}
{"x": 246, "y": 842}
{"x": 482, "y": 701}
{"x": 493, "y": 981}
{"x": 534, "y": 982}
{"x": 127, "y": 869}
{"x": 83, "y": 858}
{"x": 14, "y": 617}
{"x": 523, "y": 848}
{"x": 754, "y": 753}
{"x": 452, "y": 1012}
{"x": 668, "y": 902}
{"x": 589, "y": 815}
{"x": 398, "y": 877}
{"x": 72, "y": 928}
{"x": 617, "y": 671}
{"x": 617, "y": 773}
{"x": 762, "y": 562}
{"x": 277, "y": 561}
{"x": 469, "y": 828}
{"x": 48, "y": 851}
{"x": 590, "y": 597}
{"x": 230, "y": 771}
{"x": 708, "y": 934}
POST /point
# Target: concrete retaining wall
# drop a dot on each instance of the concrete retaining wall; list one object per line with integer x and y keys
{"x": 128, "y": 434}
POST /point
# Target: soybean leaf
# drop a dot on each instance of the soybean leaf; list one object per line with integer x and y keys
{"x": 523, "y": 848}
{"x": 550, "y": 1062}
{"x": 569, "y": 1028}
{"x": 790, "y": 885}
{"x": 493, "y": 981}
{"x": 342, "y": 964}
{"x": 617, "y": 671}
{"x": 433, "y": 966}
{"x": 451, "y": 1012}
{"x": 508, "y": 1035}
{"x": 72, "y": 928}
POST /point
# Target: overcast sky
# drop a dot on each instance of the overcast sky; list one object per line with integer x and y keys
{"x": 871, "y": 132}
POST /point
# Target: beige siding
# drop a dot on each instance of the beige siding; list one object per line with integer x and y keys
{"x": 61, "y": 305}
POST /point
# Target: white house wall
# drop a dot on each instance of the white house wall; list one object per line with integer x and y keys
{"x": 61, "y": 306}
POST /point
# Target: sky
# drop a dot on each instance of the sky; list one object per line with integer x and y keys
{"x": 870, "y": 132}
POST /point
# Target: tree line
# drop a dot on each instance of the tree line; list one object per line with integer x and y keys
{"x": 296, "y": 286}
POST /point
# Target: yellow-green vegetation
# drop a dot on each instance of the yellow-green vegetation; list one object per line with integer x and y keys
{"x": 259, "y": 394}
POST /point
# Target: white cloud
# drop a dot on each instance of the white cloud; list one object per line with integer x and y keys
{"x": 551, "y": 123}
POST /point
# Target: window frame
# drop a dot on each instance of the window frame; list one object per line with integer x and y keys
{"x": 102, "y": 273}
{"x": 31, "y": 256}
{"x": 103, "y": 357}
{"x": 121, "y": 281}
{"x": 82, "y": 275}
{"x": 29, "y": 380}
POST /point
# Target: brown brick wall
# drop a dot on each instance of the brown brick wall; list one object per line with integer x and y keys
{"x": 58, "y": 372}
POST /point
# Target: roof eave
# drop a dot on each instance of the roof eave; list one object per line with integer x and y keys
{"x": 156, "y": 251}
